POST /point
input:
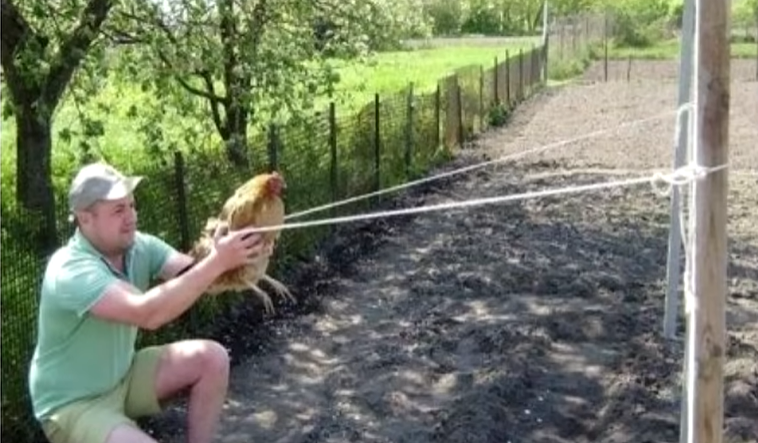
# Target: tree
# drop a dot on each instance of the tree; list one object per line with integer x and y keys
{"x": 240, "y": 63}
{"x": 42, "y": 46}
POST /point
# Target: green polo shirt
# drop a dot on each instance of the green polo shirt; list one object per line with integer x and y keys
{"x": 78, "y": 355}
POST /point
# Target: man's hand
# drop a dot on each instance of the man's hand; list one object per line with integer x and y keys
{"x": 233, "y": 249}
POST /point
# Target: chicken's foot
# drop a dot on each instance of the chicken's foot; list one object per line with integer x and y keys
{"x": 279, "y": 287}
{"x": 268, "y": 304}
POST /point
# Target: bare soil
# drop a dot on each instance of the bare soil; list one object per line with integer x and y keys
{"x": 532, "y": 321}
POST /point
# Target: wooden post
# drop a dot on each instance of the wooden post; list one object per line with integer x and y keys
{"x": 437, "y": 116}
{"x": 409, "y": 132}
{"x": 459, "y": 111}
{"x": 377, "y": 144}
{"x": 605, "y": 46}
{"x": 494, "y": 83}
{"x": 273, "y": 147}
{"x": 181, "y": 201}
{"x": 708, "y": 225}
{"x": 520, "y": 74}
{"x": 334, "y": 164}
{"x": 545, "y": 40}
{"x": 481, "y": 98}
{"x": 508, "y": 79}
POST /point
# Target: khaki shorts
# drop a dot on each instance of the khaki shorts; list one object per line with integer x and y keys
{"x": 92, "y": 420}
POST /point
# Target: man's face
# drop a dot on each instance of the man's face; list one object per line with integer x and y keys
{"x": 112, "y": 224}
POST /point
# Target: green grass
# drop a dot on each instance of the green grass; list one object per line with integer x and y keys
{"x": 670, "y": 49}
{"x": 390, "y": 72}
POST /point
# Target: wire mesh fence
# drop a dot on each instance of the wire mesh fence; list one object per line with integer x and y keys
{"x": 392, "y": 139}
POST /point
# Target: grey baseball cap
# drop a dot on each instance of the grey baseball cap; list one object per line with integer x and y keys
{"x": 99, "y": 181}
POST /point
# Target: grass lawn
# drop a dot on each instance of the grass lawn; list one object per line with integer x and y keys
{"x": 670, "y": 49}
{"x": 385, "y": 73}
{"x": 391, "y": 72}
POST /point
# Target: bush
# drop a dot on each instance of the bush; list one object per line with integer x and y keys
{"x": 639, "y": 23}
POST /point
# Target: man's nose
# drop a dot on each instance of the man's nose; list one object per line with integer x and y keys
{"x": 131, "y": 216}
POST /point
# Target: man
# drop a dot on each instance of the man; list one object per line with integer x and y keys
{"x": 87, "y": 382}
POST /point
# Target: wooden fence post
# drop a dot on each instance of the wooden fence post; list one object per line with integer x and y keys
{"x": 273, "y": 147}
{"x": 508, "y": 79}
{"x": 377, "y": 144}
{"x": 545, "y": 43}
{"x": 334, "y": 171}
{"x": 181, "y": 201}
{"x": 538, "y": 65}
{"x": 409, "y": 132}
{"x": 437, "y": 116}
{"x": 495, "y": 75}
{"x": 459, "y": 105}
{"x": 708, "y": 225}
{"x": 181, "y": 209}
{"x": 520, "y": 74}
{"x": 532, "y": 68}
{"x": 605, "y": 46}
{"x": 481, "y": 98}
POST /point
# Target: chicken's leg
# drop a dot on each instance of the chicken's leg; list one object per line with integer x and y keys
{"x": 268, "y": 304}
{"x": 279, "y": 287}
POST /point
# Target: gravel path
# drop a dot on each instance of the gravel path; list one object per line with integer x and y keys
{"x": 533, "y": 321}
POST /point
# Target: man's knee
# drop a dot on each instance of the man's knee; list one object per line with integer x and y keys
{"x": 215, "y": 357}
{"x": 185, "y": 363}
{"x": 127, "y": 433}
{"x": 207, "y": 356}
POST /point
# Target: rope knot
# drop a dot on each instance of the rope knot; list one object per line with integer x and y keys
{"x": 682, "y": 176}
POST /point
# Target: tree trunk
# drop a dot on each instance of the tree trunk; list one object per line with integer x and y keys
{"x": 34, "y": 187}
{"x": 236, "y": 149}
{"x": 236, "y": 141}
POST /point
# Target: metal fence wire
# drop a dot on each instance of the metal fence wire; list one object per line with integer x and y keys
{"x": 392, "y": 139}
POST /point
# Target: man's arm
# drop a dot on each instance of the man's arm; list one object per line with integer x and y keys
{"x": 166, "y": 262}
{"x": 176, "y": 264}
{"x": 122, "y": 302}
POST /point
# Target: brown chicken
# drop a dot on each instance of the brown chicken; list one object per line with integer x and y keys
{"x": 256, "y": 203}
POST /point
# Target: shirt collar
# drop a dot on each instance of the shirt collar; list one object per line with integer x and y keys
{"x": 80, "y": 242}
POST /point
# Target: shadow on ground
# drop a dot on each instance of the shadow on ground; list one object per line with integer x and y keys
{"x": 532, "y": 321}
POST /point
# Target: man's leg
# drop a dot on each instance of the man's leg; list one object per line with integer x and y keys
{"x": 197, "y": 367}
{"x": 128, "y": 434}
{"x": 99, "y": 420}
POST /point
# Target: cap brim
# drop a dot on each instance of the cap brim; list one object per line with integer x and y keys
{"x": 123, "y": 188}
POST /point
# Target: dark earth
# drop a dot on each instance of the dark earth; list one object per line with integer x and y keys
{"x": 530, "y": 321}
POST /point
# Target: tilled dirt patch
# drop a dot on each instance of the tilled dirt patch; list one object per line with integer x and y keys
{"x": 531, "y": 321}
{"x": 536, "y": 322}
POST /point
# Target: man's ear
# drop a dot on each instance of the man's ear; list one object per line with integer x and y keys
{"x": 84, "y": 216}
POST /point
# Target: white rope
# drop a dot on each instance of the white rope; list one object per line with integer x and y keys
{"x": 678, "y": 177}
{"x": 484, "y": 164}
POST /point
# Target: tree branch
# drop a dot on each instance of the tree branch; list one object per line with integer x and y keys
{"x": 208, "y": 95}
{"x": 119, "y": 37}
{"x": 208, "y": 79}
{"x": 74, "y": 48}
{"x": 14, "y": 32}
